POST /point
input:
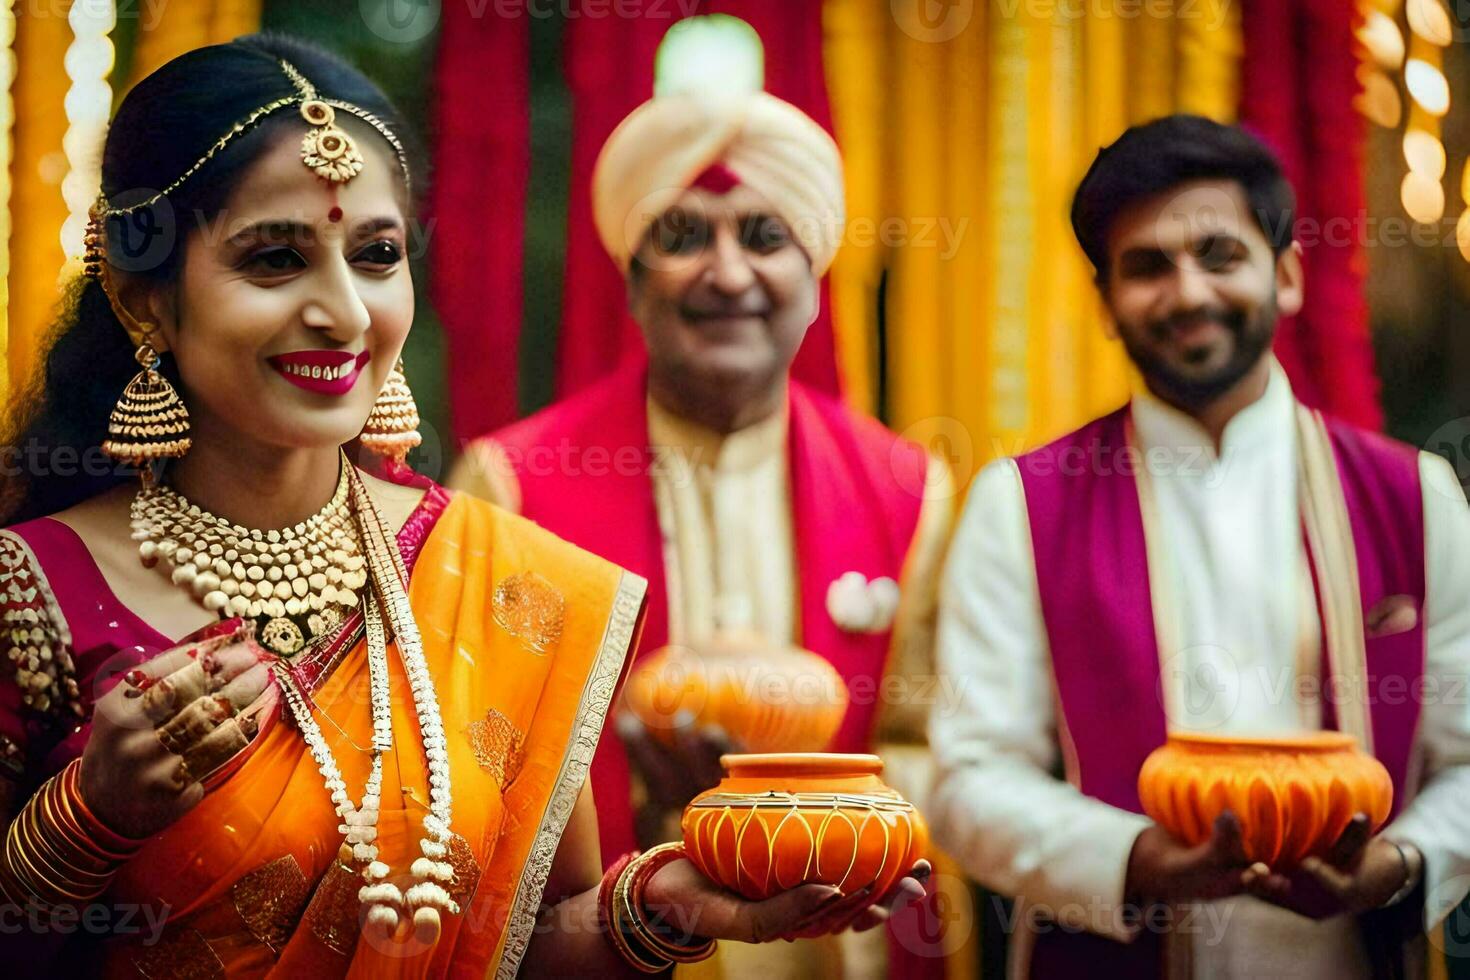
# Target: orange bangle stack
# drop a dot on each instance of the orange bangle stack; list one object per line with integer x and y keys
{"x": 57, "y": 851}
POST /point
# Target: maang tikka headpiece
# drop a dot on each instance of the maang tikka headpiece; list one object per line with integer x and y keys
{"x": 326, "y": 149}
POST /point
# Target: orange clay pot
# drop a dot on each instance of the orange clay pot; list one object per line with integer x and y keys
{"x": 767, "y": 698}
{"x": 778, "y": 821}
{"x": 1293, "y": 795}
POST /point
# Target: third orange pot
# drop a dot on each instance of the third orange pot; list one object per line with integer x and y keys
{"x": 1294, "y": 795}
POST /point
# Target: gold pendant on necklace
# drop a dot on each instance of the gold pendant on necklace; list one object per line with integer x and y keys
{"x": 296, "y": 584}
{"x": 281, "y": 636}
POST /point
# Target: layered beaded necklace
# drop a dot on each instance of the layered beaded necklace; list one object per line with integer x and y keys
{"x": 381, "y": 567}
{"x": 297, "y": 583}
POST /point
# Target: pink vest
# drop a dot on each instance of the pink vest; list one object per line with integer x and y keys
{"x": 583, "y": 471}
{"x": 1092, "y": 571}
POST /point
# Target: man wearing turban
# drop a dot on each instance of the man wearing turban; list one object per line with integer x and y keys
{"x": 751, "y": 502}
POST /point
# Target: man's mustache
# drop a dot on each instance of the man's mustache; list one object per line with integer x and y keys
{"x": 715, "y": 311}
{"x": 1231, "y": 320}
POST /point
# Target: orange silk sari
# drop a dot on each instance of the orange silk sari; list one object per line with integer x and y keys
{"x": 525, "y": 637}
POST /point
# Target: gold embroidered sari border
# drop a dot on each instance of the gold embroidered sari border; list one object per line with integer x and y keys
{"x": 1330, "y": 539}
{"x": 596, "y": 701}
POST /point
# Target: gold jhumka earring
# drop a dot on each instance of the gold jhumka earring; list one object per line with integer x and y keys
{"x": 392, "y": 428}
{"x": 150, "y": 422}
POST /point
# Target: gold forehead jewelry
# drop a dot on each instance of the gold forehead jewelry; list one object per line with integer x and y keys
{"x": 326, "y": 148}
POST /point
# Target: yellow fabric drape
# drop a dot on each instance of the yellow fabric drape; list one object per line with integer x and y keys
{"x": 186, "y": 26}
{"x": 7, "y": 120}
{"x": 1012, "y": 226}
{"x": 1104, "y": 116}
{"x": 37, "y": 167}
{"x": 856, "y": 46}
{"x": 1151, "y": 67}
{"x": 918, "y": 322}
{"x": 986, "y": 118}
{"x": 967, "y": 369}
{"x": 1210, "y": 48}
{"x": 1064, "y": 288}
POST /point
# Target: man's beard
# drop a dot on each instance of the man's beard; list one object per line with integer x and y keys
{"x": 1252, "y": 338}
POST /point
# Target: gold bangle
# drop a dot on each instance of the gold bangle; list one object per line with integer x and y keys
{"x": 41, "y": 854}
{"x": 624, "y": 932}
{"x": 51, "y": 828}
{"x": 73, "y": 828}
{"x": 638, "y": 873}
{"x": 68, "y": 844}
{"x": 48, "y": 851}
{"x": 36, "y": 880}
{"x": 97, "y": 835}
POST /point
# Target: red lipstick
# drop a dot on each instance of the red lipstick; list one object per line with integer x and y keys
{"x": 324, "y": 372}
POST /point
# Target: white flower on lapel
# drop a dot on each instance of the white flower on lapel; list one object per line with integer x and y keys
{"x": 857, "y": 605}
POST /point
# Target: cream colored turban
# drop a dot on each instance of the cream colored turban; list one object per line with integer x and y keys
{"x": 773, "y": 147}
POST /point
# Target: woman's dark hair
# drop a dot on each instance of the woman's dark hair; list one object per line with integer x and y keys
{"x": 1154, "y": 157}
{"x": 169, "y": 121}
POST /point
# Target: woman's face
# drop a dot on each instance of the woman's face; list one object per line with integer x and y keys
{"x": 293, "y": 304}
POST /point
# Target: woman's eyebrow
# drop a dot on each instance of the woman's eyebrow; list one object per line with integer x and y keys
{"x": 370, "y": 226}
{"x": 277, "y": 230}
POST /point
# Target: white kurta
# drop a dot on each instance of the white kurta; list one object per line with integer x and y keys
{"x": 1247, "y": 630}
{"x": 724, "y": 510}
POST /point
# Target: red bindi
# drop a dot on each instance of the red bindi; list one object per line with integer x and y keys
{"x": 335, "y": 214}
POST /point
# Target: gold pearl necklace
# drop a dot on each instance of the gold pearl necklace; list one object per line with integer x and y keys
{"x": 297, "y": 583}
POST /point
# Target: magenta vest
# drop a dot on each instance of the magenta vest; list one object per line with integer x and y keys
{"x": 583, "y": 471}
{"x": 1092, "y": 573}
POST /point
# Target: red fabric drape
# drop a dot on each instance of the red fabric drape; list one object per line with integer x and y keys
{"x": 1336, "y": 314}
{"x": 476, "y": 211}
{"x": 609, "y": 69}
{"x": 1297, "y": 86}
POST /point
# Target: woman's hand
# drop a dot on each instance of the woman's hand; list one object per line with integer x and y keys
{"x": 690, "y": 905}
{"x": 166, "y": 725}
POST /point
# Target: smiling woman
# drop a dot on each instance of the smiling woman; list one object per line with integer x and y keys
{"x": 331, "y": 723}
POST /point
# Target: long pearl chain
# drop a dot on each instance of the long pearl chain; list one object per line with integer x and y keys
{"x": 428, "y": 896}
{"x": 297, "y": 583}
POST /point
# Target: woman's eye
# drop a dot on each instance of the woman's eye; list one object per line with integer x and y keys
{"x": 380, "y": 253}
{"x": 277, "y": 260}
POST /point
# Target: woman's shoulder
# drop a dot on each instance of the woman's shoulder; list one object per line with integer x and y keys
{"x": 60, "y": 535}
{"x": 34, "y": 552}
